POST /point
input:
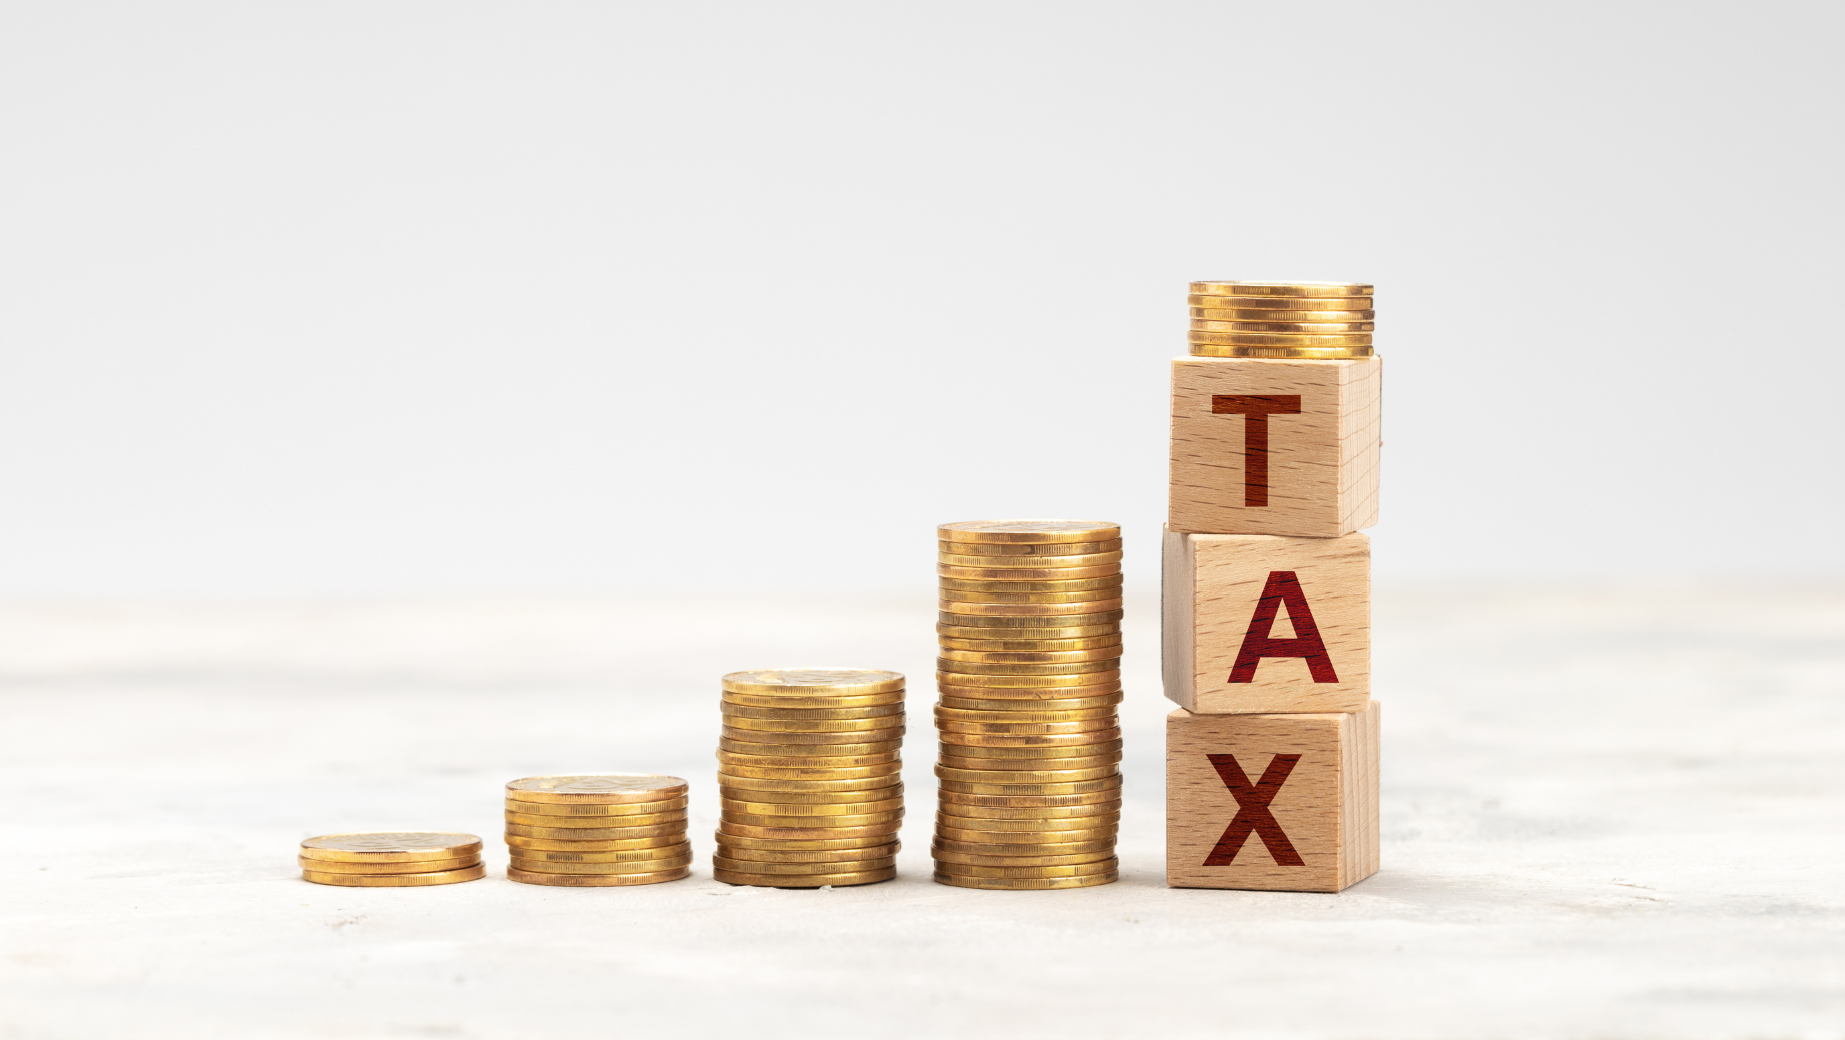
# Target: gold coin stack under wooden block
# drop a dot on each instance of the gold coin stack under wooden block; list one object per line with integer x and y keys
{"x": 1320, "y": 321}
{"x": 391, "y": 859}
{"x": 597, "y": 830}
{"x": 1029, "y": 675}
{"x": 810, "y": 776}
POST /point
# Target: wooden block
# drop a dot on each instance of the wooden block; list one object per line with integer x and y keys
{"x": 1282, "y": 802}
{"x": 1264, "y": 446}
{"x": 1264, "y": 623}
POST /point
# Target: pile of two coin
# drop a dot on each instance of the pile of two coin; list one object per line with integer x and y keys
{"x": 1320, "y": 321}
{"x": 810, "y": 777}
{"x": 391, "y": 859}
{"x": 597, "y": 830}
{"x": 1029, "y": 676}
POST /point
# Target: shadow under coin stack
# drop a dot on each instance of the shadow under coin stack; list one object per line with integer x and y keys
{"x": 810, "y": 777}
{"x": 1281, "y": 320}
{"x": 391, "y": 859}
{"x": 1029, "y": 675}
{"x": 597, "y": 830}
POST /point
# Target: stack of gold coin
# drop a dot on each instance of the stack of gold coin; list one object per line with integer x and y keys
{"x": 1311, "y": 320}
{"x": 809, "y": 771}
{"x": 391, "y": 859}
{"x": 1029, "y": 674}
{"x": 597, "y": 830}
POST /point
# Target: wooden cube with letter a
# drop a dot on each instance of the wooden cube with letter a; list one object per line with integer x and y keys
{"x": 1282, "y": 802}
{"x": 1270, "y": 446}
{"x": 1264, "y": 623}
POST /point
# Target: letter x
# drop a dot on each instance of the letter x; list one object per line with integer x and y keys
{"x": 1252, "y": 814}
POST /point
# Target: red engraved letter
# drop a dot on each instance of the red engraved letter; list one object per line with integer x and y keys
{"x": 1252, "y": 812}
{"x": 1282, "y": 587}
{"x": 1255, "y": 411}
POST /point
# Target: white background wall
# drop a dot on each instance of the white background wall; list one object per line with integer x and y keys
{"x": 355, "y": 298}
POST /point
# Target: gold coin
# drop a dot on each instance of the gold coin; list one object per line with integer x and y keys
{"x": 1216, "y": 301}
{"x": 803, "y": 880}
{"x": 858, "y": 752}
{"x": 1028, "y": 531}
{"x": 1027, "y": 884}
{"x": 1027, "y": 828}
{"x": 597, "y": 810}
{"x": 539, "y": 866}
{"x": 860, "y": 820}
{"x": 658, "y": 852}
{"x": 1103, "y": 745}
{"x": 1022, "y": 715}
{"x": 1028, "y": 549}
{"x": 757, "y": 866}
{"x": 672, "y": 837}
{"x": 880, "y": 830}
{"x": 333, "y": 866}
{"x": 974, "y": 859}
{"x": 828, "y": 775}
{"x": 812, "y": 767}
{"x": 743, "y": 857}
{"x": 1032, "y": 741}
{"x": 986, "y": 683}
{"x": 597, "y": 788}
{"x": 1297, "y": 328}
{"x": 737, "y": 845}
{"x": 1101, "y": 866}
{"x": 821, "y": 740}
{"x": 992, "y": 837}
{"x": 1112, "y": 581}
{"x": 1027, "y": 638}
{"x": 435, "y": 877}
{"x": 814, "y": 682}
{"x": 1030, "y": 646}
{"x": 1111, "y": 809}
{"x": 809, "y": 808}
{"x": 1040, "y": 801}
{"x": 1029, "y": 563}
{"x": 1092, "y": 596}
{"x": 814, "y": 727}
{"x": 596, "y": 823}
{"x": 1283, "y": 289}
{"x": 1277, "y": 339}
{"x": 731, "y": 781}
{"x": 518, "y": 830}
{"x": 1283, "y": 353}
{"x": 1058, "y": 730}
{"x": 1100, "y": 623}
{"x": 1107, "y": 783}
{"x": 841, "y": 702}
{"x": 1280, "y": 315}
{"x": 1035, "y": 770}
{"x": 828, "y": 797}
{"x": 891, "y": 713}
{"x": 1068, "y": 669}
{"x": 533, "y": 877}
{"x": 949, "y": 570}
{"x": 1004, "y": 776}
{"x": 1011, "y": 694}
{"x": 391, "y": 846}
{"x": 1106, "y": 653}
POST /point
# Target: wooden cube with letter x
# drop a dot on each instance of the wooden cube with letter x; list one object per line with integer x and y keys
{"x": 1280, "y": 802}
{"x": 1274, "y": 446}
{"x": 1267, "y": 623}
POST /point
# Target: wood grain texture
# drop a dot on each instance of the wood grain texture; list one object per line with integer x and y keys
{"x": 1212, "y": 591}
{"x": 1239, "y": 832}
{"x": 1321, "y": 462}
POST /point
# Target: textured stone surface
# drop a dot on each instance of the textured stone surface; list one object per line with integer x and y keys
{"x": 1605, "y": 815}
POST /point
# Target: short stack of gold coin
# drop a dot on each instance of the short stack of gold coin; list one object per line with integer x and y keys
{"x": 1323, "y": 321}
{"x": 809, "y": 770}
{"x": 597, "y": 830}
{"x": 391, "y": 859}
{"x": 1029, "y": 674}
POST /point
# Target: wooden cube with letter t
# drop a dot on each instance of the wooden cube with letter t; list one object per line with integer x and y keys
{"x": 1266, "y": 623}
{"x": 1274, "y": 446}
{"x": 1281, "y": 802}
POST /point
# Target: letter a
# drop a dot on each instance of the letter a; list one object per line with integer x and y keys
{"x": 1282, "y": 587}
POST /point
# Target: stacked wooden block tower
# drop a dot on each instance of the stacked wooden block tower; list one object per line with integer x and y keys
{"x": 1272, "y": 757}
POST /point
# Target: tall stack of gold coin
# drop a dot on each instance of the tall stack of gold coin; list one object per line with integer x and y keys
{"x": 1322, "y": 321}
{"x": 809, "y": 770}
{"x": 1029, "y": 674}
{"x": 391, "y": 859}
{"x": 597, "y": 830}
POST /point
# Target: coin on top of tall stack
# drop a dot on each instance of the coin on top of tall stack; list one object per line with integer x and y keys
{"x": 597, "y": 830}
{"x": 391, "y": 859}
{"x": 810, "y": 776}
{"x": 1029, "y": 675}
{"x": 1319, "y": 321}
